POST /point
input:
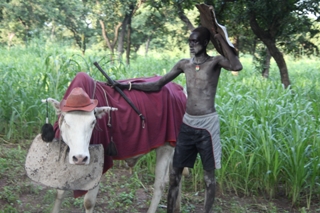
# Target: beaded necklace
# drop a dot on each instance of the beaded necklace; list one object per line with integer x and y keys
{"x": 198, "y": 64}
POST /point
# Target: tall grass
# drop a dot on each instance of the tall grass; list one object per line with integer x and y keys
{"x": 270, "y": 136}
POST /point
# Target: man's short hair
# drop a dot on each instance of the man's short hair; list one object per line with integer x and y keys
{"x": 204, "y": 33}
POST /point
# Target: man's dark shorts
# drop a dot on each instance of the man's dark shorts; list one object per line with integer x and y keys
{"x": 193, "y": 140}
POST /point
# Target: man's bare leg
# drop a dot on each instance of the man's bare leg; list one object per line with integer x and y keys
{"x": 174, "y": 183}
{"x": 210, "y": 181}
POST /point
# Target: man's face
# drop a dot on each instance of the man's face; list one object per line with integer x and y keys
{"x": 195, "y": 43}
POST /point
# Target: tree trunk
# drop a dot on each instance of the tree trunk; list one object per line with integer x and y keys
{"x": 278, "y": 57}
{"x": 128, "y": 42}
{"x": 265, "y": 71}
{"x": 270, "y": 43}
{"x": 147, "y": 46}
{"x": 10, "y": 37}
{"x": 125, "y": 23}
{"x": 122, "y": 36}
{"x": 83, "y": 44}
{"x": 53, "y": 31}
{"x": 254, "y": 47}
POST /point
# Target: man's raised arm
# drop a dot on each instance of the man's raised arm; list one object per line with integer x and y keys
{"x": 156, "y": 85}
{"x": 230, "y": 61}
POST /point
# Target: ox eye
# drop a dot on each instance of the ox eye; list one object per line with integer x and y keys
{"x": 93, "y": 123}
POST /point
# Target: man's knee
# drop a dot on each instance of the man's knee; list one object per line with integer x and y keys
{"x": 209, "y": 177}
{"x": 175, "y": 176}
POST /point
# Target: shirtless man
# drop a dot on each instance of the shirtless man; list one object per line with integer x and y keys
{"x": 200, "y": 130}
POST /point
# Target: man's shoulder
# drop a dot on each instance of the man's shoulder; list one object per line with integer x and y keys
{"x": 183, "y": 63}
{"x": 217, "y": 57}
{"x": 185, "y": 60}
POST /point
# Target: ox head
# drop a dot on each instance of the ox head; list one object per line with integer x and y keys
{"x": 78, "y": 116}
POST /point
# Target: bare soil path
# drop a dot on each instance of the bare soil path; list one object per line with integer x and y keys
{"x": 120, "y": 192}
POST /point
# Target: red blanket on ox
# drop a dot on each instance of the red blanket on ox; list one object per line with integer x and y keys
{"x": 163, "y": 112}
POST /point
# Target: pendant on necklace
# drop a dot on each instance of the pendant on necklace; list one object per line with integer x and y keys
{"x": 197, "y": 67}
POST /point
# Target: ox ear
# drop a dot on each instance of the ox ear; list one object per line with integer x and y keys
{"x": 102, "y": 111}
{"x": 54, "y": 103}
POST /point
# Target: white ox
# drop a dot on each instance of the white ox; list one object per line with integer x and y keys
{"x": 76, "y": 128}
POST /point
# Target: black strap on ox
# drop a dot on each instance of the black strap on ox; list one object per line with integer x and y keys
{"x": 111, "y": 82}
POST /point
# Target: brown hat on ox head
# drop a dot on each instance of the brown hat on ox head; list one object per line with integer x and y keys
{"x": 78, "y": 99}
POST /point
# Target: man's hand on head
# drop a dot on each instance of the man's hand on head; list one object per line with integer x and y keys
{"x": 218, "y": 36}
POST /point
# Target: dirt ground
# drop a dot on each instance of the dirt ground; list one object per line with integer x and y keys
{"x": 120, "y": 192}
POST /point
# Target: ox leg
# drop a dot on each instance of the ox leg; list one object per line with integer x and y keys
{"x": 57, "y": 204}
{"x": 164, "y": 156}
{"x": 90, "y": 199}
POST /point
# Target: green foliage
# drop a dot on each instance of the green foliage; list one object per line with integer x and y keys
{"x": 269, "y": 136}
{"x": 8, "y": 209}
{"x": 3, "y": 165}
{"x": 20, "y": 20}
{"x": 282, "y": 26}
{"x": 155, "y": 23}
{"x": 75, "y": 16}
{"x": 148, "y": 24}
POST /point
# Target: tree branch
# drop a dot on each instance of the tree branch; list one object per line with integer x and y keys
{"x": 104, "y": 34}
{"x": 116, "y": 32}
{"x": 183, "y": 17}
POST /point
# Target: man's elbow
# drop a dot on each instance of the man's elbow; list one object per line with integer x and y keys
{"x": 237, "y": 67}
